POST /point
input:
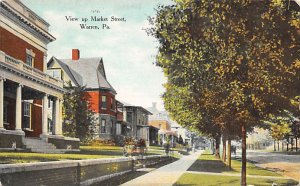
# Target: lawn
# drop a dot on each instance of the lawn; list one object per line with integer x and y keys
{"x": 86, "y": 152}
{"x": 216, "y": 180}
{"x": 209, "y": 163}
{"x": 160, "y": 150}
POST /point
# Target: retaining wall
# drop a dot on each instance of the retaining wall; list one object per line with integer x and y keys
{"x": 71, "y": 172}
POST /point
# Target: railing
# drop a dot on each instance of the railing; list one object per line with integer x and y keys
{"x": 18, "y": 64}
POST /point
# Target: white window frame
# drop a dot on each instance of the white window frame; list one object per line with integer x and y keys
{"x": 27, "y": 112}
{"x": 103, "y": 100}
{"x": 30, "y": 55}
{"x": 118, "y": 129}
{"x": 103, "y": 125}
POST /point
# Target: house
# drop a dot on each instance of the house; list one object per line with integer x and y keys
{"x": 25, "y": 88}
{"x": 137, "y": 119}
{"x": 161, "y": 121}
{"x": 90, "y": 73}
{"x": 153, "y": 135}
{"x": 122, "y": 127}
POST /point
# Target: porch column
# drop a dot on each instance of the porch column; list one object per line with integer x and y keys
{"x": 60, "y": 110}
{"x": 45, "y": 115}
{"x": 1, "y": 102}
{"x": 19, "y": 107}
{"x": 57, "y": 119}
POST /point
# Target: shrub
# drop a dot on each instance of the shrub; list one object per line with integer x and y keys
{"x": 100, "y": 142}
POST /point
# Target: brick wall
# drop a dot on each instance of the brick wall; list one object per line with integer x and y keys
{"x": 164, "y": 124}
{"x": 9, "y": 42}
{"x": 94, "y": 100}
{"x": 36, "y": 122}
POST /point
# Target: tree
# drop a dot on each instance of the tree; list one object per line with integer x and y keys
{"x": 279, "y": 131}
{"x": 227, "y": 59}
{"x": 295, "y": 130}
{"x": 78, "y": 119}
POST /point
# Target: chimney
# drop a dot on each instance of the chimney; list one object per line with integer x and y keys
{"x": 153, "y": 104}
{"x": 75, "y": 54}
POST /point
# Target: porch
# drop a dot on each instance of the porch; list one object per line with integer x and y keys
{"x": 30, "y": 104}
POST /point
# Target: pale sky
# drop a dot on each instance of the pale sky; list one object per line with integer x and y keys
{"x": 128, "y": 53}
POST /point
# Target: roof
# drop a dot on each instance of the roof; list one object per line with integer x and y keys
{"x": 88, "y": 72}
{"x": 74, "y": 76}
{"x": 140, "y": 107}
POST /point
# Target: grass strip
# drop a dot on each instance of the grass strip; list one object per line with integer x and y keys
{"x": 217, "y": 180}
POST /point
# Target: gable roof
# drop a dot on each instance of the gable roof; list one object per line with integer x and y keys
{"x": 73, "y": 75}
{"x": 88, "y": 72}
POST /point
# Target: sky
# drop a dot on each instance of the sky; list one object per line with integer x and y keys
{"x": 127, "y": 51}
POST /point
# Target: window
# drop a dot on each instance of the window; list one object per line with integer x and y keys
{"x": 30, "y": 57}
{"x": 29, "y": 60}
{"x": 129, "y": 117}
{"x": 118, "y": 129}
{"x": 103, "y": 102}
{"x": 112, "y": 107}
{"x": 112, "y": 128}
{"x": 56, "y": 73}
{"x": 26, "y": 114}
{"x": 26, "y": 109}
{"x": 103, "y": 126}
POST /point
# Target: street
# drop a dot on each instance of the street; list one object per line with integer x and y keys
{"x": 288, "y": 165}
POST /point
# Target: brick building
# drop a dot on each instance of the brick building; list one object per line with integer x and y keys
{"x": 90, "y": 73}
{"x": 25, "y": 88}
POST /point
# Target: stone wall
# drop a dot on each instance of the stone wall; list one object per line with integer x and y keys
{"x": 64, "y": 142}
{"x": 71, "y": 172}
{"x": 11, "y": 139}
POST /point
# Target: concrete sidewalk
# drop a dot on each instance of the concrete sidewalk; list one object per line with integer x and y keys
{"x": 166, "y": 175}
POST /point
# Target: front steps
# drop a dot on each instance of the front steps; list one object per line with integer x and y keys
{"x": 41, "y": 146}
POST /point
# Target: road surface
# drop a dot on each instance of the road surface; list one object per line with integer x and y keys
{"x": 288, "y": 165}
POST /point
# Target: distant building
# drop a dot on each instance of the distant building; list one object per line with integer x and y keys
{"x": 137, "y": 118}
{"x": 90, "y": 73}
{"x": 161, "y": 121}
{"x": 25, "y": 88}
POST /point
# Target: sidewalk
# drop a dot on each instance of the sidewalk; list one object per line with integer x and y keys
{"x": 166, "y": 175}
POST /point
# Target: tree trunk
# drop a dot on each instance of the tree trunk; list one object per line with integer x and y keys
{"x": 274, "y": 145}
{"x": 292, "y": 142}
{"x": 244, "y": 158}
{"x": 224, "y": 149}
{"x": 213, "y": 146}
{"x": 296, "y": 144}
{"x": 217, "y": 150}
{"x": 287, "y": 144}
{"x": 278, "y": 145}
{"x": 282, "y": 145}
{"x": 229, "y": 152}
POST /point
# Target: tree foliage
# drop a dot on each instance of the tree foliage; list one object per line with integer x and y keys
{"x": 227, "y": 61}
{"x": 78, "y": 119}
{"x": 229, "y": 64}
